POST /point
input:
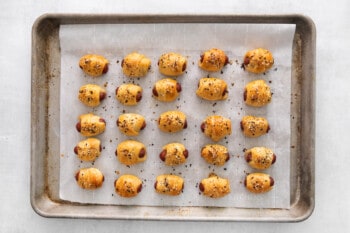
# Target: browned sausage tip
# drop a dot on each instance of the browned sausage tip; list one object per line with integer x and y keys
{"x": 248, "y": 157}
{"x": 203, "y": 127}
{"x": 178, "y": 87}
{"x": 154, "y": 91}
{"x": 201, "y": 187}
{"x": 77, "y": 175}
{"x": 139, "y": 188}
{"x": 202, "y": 57}
{"x": 224, "y": 92}
{"x": 184, "y": 66}
{"x": 162, "y": 155}
{"x": 138, "y": 96}
{"x": 102, "y": 95}
{"x": 105, "y": 69}
{"x": 143, "y": 125}
{"x": 226, "y": 61}
{"x": 142, "y": 153}
{"x": 185, "y": 153}
{"x": 76, "y": 150}
{"x": 228, "y": 157}
{"x": 78, "y": 127}
{"x": 274, "y": 159}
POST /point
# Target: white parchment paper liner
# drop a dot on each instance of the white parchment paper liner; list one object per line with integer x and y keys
{"x": 116, "y": 41}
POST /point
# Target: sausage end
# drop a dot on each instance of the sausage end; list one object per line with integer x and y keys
{"x": 78, "y": 127}
{"x": 162, "y": 155}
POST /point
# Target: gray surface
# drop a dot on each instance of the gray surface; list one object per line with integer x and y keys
{"x": 332, "y": 192}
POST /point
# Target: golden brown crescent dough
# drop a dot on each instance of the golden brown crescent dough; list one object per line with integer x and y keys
{"x": 169, "y": 184}
{"x": 172, "y": 64}
{"x": 136, "y": 65}
{"x": 254, "y": 126}
{"x": 166, "y": 90}
{"x": 130, "y": 152}
{"x": 131, "y": 124}
{"x": 88, "y": 150}
{"x": 91, "y": 95}
{"x": 89, "y": 178}
{"x": 259, "y": 182}
{"x": 212, "y": 89}
{"x": 215, "y": 186}
{"x": 174, "y": 154}
{"x": 216, "y": 127}
{"x": 260, "y": 157}
{"x": 213, "y": 60}
{"x": 90, "y": 125}
{"x": 172, "y": 121}
{"x": 258, "y": 60}
{"x": 128, "y": 186}
{"x": 93, "y": 64}
{"x": 215, "y": 154}
{"x": 128, "y": 94}
{"x": 257, "y": 93}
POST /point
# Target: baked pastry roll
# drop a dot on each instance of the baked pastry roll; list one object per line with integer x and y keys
{"x": 213, "y": 60}
{"x": 172, "y": 64}
{"x": 128, "y": 94}
{"x": 88, "y": 150}
{"x": 172, "y": 121}
{"x": 166, "y": 90}
{"x": 169, "y": 184}
{"x": 257, "y": 93}
{"x": 89, "y": 178}
{"x": 131, "y": 124}
{"x": 91, "y": 95}
{"x": 130, "y": 152}
{"x": 258, "y": 60}
{"x": 254, "y": 126}
{"x": 216, "y": 127}
{"x": 128, "y": 186}
{"x": 93, "y": 64}
{"x": 174, "y": 154}
{"x": 260, "y": 157}
{"x": 258, "y": 182}
{"x": 215, "y": 186}
{"x": 90, "y": 125}
{"x": 215, "y": 154}
{"x": 212, "y": 89}
{"x": 136, "y": 65}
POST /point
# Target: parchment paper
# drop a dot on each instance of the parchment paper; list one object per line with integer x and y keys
{"x": 116, "y": 41}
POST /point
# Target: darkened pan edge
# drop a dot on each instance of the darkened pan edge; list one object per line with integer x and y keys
{"x": 45, "y": 124}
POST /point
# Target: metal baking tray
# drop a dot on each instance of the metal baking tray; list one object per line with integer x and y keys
{"x": 45, "y": 113}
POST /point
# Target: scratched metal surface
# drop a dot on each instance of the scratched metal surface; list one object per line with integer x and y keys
{"x": 45, "y": 118}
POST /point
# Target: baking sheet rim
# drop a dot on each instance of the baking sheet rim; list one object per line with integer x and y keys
{"x": 296, "y": 19}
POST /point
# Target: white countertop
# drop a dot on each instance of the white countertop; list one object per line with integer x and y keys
{"x": 332, "y": 21}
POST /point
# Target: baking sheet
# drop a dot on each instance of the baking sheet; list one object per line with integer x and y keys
{"x": 114, "y": 42}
